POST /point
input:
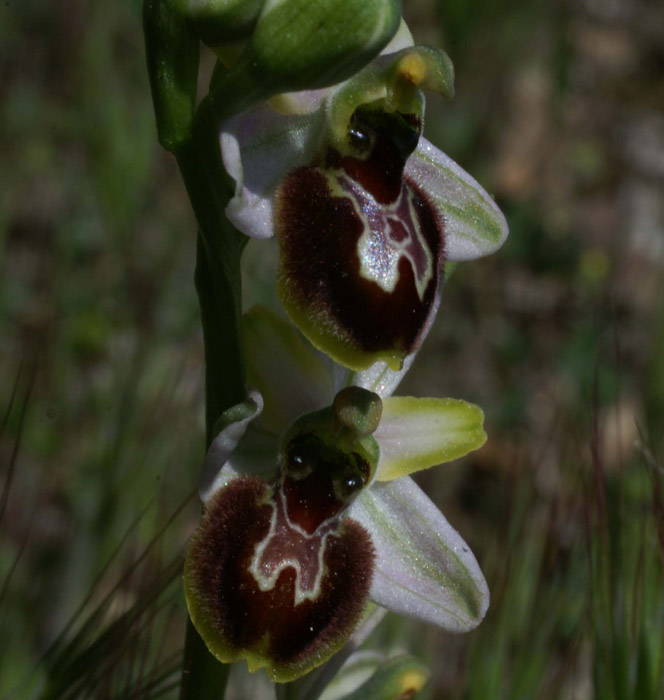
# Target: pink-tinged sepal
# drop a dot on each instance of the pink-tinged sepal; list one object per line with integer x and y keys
{"x": 424, "y": 569}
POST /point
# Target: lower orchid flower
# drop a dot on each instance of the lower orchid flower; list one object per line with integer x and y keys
{"x": 310, "y": 512}
{"x": 366, "y": 211}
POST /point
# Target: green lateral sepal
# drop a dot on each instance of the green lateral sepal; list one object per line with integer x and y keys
{"x": 416, "y": 434}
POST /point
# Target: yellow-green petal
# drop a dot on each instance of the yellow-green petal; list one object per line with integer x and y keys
{"x": 416, "y": 434}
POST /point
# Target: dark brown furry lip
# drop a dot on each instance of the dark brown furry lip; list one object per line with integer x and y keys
{"x": 320, "y": 267}
{"x": 242, "y": 617}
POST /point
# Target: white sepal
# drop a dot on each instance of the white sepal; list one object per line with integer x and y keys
{"x": 423, "y": 567}
{"x": 258, "y": 149}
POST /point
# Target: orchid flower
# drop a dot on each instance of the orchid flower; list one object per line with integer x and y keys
{"x": 310, "y": 511}
{"x": 367, "y": 212}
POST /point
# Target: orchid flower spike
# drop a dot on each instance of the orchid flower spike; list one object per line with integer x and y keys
{"x": 366, "y": 210}
{"x": 310, "y": 512}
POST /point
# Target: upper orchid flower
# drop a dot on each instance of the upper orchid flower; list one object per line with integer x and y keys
{"x": 367, "y": 212}
{"x": 310, "y": 511}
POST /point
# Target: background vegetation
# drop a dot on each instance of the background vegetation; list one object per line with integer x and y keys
{"x": 560, "y": 337}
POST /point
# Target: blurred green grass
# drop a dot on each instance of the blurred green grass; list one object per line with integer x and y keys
{"x": 560, "y": 112}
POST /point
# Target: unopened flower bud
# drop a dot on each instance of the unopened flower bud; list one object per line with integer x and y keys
{"x": 304, "y": 45}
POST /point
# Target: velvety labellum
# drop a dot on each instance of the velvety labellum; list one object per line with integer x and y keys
{"x": 361, "y": 252}
{"x": 262, "y": 588}
{"x": 316, "y": 483}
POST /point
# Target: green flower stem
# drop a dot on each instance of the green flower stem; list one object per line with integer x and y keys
{"x": 218, "y": 278}
{"x": 218, "y": 282}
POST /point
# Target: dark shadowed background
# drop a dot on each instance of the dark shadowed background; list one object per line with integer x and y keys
{"x": 559, "y": 112}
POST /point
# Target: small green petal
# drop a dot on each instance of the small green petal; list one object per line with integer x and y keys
{"x": 416, "y": 434}
{"x": 427, "y": 68}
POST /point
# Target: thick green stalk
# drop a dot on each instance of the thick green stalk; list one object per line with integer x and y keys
{"x": 218, "y": 282}
{"x": 218, "y": 278}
